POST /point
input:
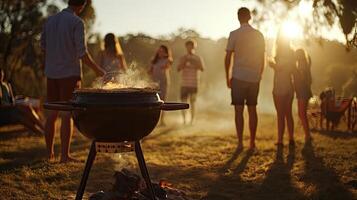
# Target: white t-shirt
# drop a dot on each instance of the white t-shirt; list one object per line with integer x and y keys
{"x": 248, "y": 46}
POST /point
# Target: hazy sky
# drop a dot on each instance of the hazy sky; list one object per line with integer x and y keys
{"x": 211, "y": 18}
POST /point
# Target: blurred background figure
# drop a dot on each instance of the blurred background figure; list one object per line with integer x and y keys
{"x": 111, "y": 58}
{"x": 159, "y": 70}
{"x": 190, "y": 65}
{"x": 302, "y": 83}
{"x": 17, "y": 113}
{"x": 284, "y": 64}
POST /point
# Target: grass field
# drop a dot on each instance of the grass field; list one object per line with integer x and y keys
{"x": 200, "y": 159}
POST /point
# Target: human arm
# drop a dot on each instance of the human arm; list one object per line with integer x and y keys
{"x": 200, "y": 64}
{"x": 88, "y": 60}
{"x": 81, "y": 49}
{"x": 272, "y": 63}
{"x": 167, "y": 64}
{"x": 262, "y": 54}
{"x": 227, "y": 64}
{"x": 228, "y": 58}
{"x": 122, "y": 63}
{"x": 181, "y": 64}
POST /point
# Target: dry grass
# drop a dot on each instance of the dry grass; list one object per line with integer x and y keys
{"x": 200, "y": 159}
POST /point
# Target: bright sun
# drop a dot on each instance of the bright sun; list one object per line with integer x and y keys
{"x": 291, "y": 29}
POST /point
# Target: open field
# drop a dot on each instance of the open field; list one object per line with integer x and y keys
{"x": 200, "y": 159}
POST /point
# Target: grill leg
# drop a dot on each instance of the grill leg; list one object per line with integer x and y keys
{"x": 143, "y": 169}
{"x": 87, "y": 168}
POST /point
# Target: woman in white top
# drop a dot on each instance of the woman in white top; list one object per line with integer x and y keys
{"x": 111, "y": 58}
{"x": 159, "y": 71}
{"x": 284, "y": 64}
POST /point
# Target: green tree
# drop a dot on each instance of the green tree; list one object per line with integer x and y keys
{"x": 21, "y": 23}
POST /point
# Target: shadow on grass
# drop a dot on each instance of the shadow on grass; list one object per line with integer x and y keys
{"x": 325, "y": 179}
{"x": 338, "y": 134}
{"x": 278, "y": 182}
{"x": 229, "y": 185}
{"x": 14, "y": 133}
{"x": 22, "y": 155}
{"x": 15, "y": 159}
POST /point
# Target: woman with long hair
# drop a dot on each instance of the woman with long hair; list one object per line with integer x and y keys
{"x": 302, "y": 83}
{"x": 111, "y": 58}
{"x": 159, "y": 70}
{"x": 284, "y": 64}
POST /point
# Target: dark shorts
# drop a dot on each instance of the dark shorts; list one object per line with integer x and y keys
{"x": 188, "y": 91}
{"x": 62, "y": 89}
{"x": 304, "y": 93}
{"x": 244, "y": 93}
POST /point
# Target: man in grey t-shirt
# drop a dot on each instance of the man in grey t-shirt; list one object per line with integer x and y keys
{"x": 247, "y": 46}
{"x": 63, "y": 43}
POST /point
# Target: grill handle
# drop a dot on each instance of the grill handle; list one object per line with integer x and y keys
{"x": 174, "y": 106}
{"x": 61, "y": 106}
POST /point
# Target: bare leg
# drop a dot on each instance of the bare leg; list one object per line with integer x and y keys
{"x": 184, "y": 100}
{"x": 289, "y": 117}
{"x": 239, "y": 120}
{"x": 302, "y": 107}
{"x": 66, "y": 136}
{"x": 50, "y": 132}
{"x": 279, "y": 106}
{"x": 193, "y": 107}
{"x": 253, "y": 122}
{"x": 162, "y": 117}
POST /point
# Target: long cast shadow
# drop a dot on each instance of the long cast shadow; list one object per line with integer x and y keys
{"x": 277, "y": 183}
{"x": 338, "y": 134}
{"x": 229, "y": 184}
{"x": 325, "y": 179}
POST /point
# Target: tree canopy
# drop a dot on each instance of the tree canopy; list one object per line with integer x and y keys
{"x": 325, "y": 13}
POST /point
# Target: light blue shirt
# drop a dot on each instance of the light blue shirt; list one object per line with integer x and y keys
{"x": 63, "y": 40}
{"x": 248, "y": 46}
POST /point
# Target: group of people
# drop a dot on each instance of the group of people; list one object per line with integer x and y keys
{"x": 189, "y": 65}
{"x": 64, "y": 47}
{"x": 292, "y": 75}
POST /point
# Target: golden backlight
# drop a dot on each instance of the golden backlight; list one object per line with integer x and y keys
{"x": 291, "y": 29}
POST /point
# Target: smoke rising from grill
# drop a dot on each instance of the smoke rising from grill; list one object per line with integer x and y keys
{"x": 133, "y": 77}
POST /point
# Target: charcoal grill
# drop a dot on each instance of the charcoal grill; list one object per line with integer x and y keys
{"x": 115, "y": 121}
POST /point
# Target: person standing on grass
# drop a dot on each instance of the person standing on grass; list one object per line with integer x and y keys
{"x": 63, "y": 43}
{"x": 284, "y": 64}
{"x": 159, "y": 70}
{"x": 190, "y": 64}
{"x": 248, "y": 47}
{"x": 302, "y": 83}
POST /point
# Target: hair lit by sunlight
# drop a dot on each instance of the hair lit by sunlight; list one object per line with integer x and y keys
{"x": 291, "y": 29}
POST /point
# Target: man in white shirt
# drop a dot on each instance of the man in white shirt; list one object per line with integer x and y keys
{"x": 63, "y": 43}
{"x": 248, "y": 47}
